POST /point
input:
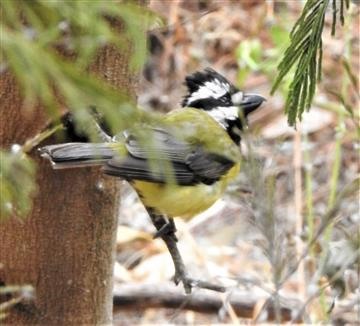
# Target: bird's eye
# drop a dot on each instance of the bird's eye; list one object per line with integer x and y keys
{"x": 225, "y": 100}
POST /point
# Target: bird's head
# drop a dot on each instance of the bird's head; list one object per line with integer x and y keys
{"x": 213, "y": 93}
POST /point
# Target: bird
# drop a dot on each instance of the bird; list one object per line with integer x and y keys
{"x": 183, "y": 164}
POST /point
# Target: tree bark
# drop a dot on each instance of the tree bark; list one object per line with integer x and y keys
{"x": 65, "y": 247}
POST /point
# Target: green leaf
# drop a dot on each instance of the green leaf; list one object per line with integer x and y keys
{"x": 305, "y": 44}
{"x": 80, "y": 31}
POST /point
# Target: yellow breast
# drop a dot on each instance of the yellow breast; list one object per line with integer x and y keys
{"x": 183, "y": 201}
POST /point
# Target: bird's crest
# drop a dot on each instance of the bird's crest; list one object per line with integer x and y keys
{"x": 207, "y": 89}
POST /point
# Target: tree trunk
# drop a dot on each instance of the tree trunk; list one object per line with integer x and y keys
{"x": 65, "y": 247}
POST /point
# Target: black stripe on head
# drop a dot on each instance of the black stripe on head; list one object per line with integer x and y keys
{"x": 208, "y": 89}
{"x": 210, "y": 103}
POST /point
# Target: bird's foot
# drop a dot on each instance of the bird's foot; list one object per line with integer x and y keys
{"x": 168, "y": 229}
{"x": 185, "y": 280}
{"x": 189, "y": 283}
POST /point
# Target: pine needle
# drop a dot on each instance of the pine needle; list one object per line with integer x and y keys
{"x": 305, "y": 54}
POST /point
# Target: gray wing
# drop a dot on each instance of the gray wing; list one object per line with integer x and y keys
{"x": 189, "y": 164}
{"x": 162, "y": 143}
{"x": 71, "y": 155}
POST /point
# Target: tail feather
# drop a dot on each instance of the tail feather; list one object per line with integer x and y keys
{"x": 71, "y": 155}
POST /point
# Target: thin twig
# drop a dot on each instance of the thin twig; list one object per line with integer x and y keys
{"x": 33, "y": 142}
{"x": 321, "y": 289}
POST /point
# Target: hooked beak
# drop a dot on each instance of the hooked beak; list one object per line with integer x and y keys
{"x": 250, "y": 102}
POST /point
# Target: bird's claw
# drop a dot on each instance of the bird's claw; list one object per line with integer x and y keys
{"x": 187, "y": 282}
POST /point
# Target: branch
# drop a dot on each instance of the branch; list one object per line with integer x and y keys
{"x": 135, "y": 296}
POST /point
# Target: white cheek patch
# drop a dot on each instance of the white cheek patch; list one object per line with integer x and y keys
{"x": 237, "y": 98}
{"x": 214, "y": 88}
{"x": 223, "y": 113}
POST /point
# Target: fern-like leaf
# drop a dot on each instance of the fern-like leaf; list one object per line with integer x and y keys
{"x": 305, "y": 53}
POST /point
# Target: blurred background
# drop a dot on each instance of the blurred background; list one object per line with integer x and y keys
{"x": 285, "y": 240}
{"x": 289, "y": 226}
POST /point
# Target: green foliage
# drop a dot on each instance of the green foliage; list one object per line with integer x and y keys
{"x": 16, "y": 182}
{"x": 49, "y": 46}
{"x": 305, "y": 52}
{"x": 33, "y": 52}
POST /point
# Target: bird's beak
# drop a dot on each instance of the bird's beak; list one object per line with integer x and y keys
{"x": 250, "y": 102}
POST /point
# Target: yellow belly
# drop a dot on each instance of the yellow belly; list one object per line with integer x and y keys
{"x": 182, "y": 201}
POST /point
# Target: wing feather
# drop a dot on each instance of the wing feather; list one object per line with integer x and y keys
{"x": 132, "y": 168}
{"x": 189, "y": 164}
{"x": 162, "y": 144}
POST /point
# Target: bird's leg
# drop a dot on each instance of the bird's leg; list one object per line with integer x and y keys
{"x": 181, "y": 274}
{"x": 168, "y": 228}
{"x": 166, "y": 231}
{"x": 163, "y": 225}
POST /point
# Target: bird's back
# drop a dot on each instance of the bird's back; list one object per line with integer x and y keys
{"x": 199, "y": 129}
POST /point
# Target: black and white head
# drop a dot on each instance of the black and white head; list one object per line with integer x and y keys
{"x": 209, "y": 91}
